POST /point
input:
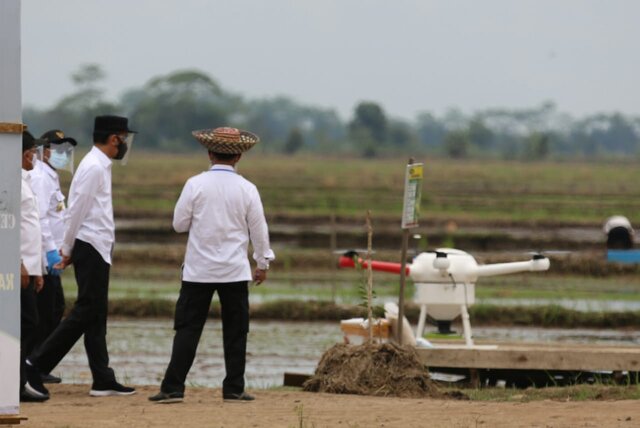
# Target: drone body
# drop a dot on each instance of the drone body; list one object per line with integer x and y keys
{"x": 445, "y": 282}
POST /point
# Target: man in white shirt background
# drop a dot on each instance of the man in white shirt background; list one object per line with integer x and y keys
{"x": 222, "y": 212}
{"x": 88, "y": 244}
{"x": 56, "y": 155}
{"x": 31, "y": 281}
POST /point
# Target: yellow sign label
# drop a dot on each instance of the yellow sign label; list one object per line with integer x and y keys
{"x": 415, "y": 171}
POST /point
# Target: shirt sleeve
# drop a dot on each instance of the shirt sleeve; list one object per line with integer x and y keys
{"x": 259, "y": 232}
{"x": 43, "y": 195}
{"x": 84, "y": 188}
{"x": 183, "y": 211}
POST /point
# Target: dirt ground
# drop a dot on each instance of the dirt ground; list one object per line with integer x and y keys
{"x": 71, "y": 406}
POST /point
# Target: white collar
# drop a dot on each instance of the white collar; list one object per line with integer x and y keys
{"x": 221, "y": 167}
{"x": 104, "y": 160}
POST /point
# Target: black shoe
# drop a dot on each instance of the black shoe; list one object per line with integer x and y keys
{"x": 167, "y": 397}
{"x": 109, "y": 389}
{"x": 25, "y": 398}
{"x": 49, "y": 378}
{"x": 238, "y": 398}
{"x": 30, "y": 395}
{"x": 34, "y": 380}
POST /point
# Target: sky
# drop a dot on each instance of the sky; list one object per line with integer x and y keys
{"x": 409, "y": 56}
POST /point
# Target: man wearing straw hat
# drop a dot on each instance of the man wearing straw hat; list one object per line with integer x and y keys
{"x": 222, "y": 212}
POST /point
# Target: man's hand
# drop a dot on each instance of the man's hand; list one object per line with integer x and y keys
{"x": 24, "y": 277}
{"x": 66, "y": 261}
{"x": 259, "y": 276}
{"x": 39, "y": 283}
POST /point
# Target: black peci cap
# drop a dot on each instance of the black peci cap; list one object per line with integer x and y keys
{"x": 29, "y": 141}
{"x": 109, "y": 124}
{"x": 56, "y": 136}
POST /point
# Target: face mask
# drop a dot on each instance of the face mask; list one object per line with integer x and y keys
{"x": 58, "y": 160}
{"x": 122, "y": 150}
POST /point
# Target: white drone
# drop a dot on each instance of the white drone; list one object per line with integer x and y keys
{"x": 445, "y": 282}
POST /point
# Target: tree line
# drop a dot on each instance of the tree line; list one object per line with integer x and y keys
{"x": 167, "y": 108}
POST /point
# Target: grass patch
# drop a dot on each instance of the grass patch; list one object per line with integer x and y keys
{"x": 315, "y": 310}
{"x": 567, "y": 393}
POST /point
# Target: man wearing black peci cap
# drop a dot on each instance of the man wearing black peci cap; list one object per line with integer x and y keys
{"x": 56, "y": 154}
{"x": 88, "y": 245}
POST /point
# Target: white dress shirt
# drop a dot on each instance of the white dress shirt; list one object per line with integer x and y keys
{"x": 30, "y": 233}
{"x": 221, "y": 211}
{"x": 90, "y": 213}
{"x": 51, "y": 208}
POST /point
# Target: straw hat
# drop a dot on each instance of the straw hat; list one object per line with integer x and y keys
{"x": 226, "y": 140}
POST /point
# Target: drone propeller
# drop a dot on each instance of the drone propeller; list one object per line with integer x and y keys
{"x": 440, "y": 253}
{"x": 350, "y": 252}
{"x": 543, "y": 254}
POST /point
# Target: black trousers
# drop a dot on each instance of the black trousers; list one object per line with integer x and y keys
{"x": 88, "y": 317}
{"x": 50, "y": 308}
{"x": 28, "y": 325}
{"x": 192, "y": 309}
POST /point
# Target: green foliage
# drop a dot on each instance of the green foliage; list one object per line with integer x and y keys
{"x": 295, "y": 141}
{"x": 369, "y": 117}
{"x": 377, "y": 310}
{"x": 167, "y": 108}
{"x": 456, "y": 144}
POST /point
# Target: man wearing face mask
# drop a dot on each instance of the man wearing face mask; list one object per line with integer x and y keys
{"x": 88, "y": 245}
{"x": 57, "y": 155}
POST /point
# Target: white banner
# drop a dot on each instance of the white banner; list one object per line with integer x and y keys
{"x": 412, "y": 195}
{"x": 10, "y": 155}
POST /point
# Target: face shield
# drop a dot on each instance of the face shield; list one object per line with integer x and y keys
{"x": 124, "y": 149}
{"x": 59, "y": 156}
{"x": 40, "y": 154}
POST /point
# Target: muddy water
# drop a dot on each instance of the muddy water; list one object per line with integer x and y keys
{"x": 140, "y": 349}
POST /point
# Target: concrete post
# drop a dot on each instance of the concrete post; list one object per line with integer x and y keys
{"x": 10, "y": 153}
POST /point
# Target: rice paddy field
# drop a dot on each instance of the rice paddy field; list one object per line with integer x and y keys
{"x": 496, "y": 210}
{"x": 487, "y": 191}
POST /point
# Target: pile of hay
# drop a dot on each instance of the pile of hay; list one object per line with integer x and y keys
{"x": 372, "y": 369}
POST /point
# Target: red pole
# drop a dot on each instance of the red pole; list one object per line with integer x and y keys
{"x": 348, "y": 262}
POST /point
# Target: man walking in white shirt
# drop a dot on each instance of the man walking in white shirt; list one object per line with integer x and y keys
{"x": 222, "y": 212}
{"x": 57, "y": 155}
{"x": 30, "y": 267}
{"x": 88, "y": 244}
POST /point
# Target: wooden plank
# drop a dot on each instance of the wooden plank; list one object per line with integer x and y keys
{"x": 11, "y": 419}
{"x": 533, "y": 356}
{"x": 295, "y": 379}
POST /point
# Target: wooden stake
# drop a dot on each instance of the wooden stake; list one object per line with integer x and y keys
{"x": 403, "y": 276}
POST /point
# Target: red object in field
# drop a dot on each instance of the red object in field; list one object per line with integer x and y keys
{"x": 348, "y": 262}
